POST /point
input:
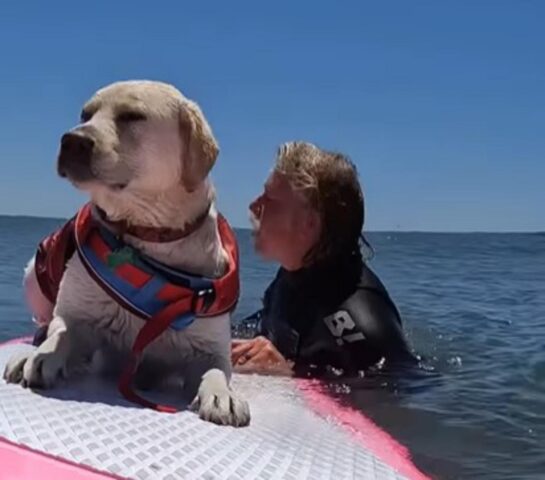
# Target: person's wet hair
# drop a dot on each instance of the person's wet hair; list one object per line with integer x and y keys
{"x": 329, "y": 182}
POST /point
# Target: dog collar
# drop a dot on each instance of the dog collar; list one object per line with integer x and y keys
{"x": 152, "y": 234}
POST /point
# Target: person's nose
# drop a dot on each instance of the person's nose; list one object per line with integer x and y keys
{"x": 256, "y": 206}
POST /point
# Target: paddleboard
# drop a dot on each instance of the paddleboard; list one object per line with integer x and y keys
{"x": 85, "y": 430}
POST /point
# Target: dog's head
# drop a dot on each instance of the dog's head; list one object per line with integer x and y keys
{"x": 138, "y": 136}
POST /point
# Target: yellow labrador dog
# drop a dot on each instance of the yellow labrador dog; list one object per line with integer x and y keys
{"x": 142, "y": 152}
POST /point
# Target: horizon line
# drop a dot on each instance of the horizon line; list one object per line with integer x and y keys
{"x": 443, "y": 232}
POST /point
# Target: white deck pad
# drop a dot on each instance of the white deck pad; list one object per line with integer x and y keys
{"x": 296, "y": 432}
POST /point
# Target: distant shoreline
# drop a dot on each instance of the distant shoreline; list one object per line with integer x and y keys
{"x": 382, "y": 232}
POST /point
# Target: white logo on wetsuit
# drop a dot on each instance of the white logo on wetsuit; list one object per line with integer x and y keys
{"x": 339, "y": 323}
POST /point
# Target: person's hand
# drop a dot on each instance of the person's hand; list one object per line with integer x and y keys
{"x": 258, "y": 350}
{"x": 258, "y": 355}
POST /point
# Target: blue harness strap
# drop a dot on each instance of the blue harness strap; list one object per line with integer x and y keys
{"x": 143, "y": 301}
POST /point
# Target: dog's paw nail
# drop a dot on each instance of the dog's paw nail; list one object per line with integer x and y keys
{"x": 225, "y": 409}
{"x": 240, "y": 412}
{"x": 195, "y": 404}
{"x": 13, "y": 373}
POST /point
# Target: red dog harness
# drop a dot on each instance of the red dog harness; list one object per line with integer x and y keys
{"x": 163, "y": 296}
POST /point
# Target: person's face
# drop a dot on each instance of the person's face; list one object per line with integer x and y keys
{"x": 285, "y": 226}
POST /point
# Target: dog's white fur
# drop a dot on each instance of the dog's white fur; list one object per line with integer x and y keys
{"x": 150, "y": 172}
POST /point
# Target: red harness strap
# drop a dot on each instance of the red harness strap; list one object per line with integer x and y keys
{"x": 53, "y": 253}
{"x": 227, "y": 292}
{"x": 147, "y": 334}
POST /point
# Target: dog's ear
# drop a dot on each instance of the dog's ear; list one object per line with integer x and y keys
{"x": 201, "y": 148}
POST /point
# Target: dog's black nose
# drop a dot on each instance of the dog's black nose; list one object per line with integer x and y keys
{"x": 75, "y": 153}
{"x": 77, "y": 145}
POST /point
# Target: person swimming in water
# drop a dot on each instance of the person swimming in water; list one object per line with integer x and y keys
{"x": 325, "y": 307}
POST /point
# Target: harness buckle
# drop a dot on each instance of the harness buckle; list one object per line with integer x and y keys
{"x": 207, "y": 297}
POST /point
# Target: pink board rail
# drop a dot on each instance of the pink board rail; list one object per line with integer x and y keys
{"x": 362, "y": 429}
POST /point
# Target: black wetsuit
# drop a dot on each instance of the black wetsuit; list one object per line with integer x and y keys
{"x": 338, "y": 315}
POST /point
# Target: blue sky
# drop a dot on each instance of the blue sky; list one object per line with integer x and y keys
{"x": 441, "y": 104}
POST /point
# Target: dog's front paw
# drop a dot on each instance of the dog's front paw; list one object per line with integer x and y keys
{"x": 223, "y": 408}
{"x": 43, "y": 369}
{"x": 13, "y": 373}
{"x": 216, "y": 403}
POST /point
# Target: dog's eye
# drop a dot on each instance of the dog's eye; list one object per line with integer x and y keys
{"x": 126, "y": 117}
{"x": 85, "y": 116}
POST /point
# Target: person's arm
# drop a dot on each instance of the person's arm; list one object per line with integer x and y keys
{"x": 362, "y": 331}
{"x": 256, "y": 350}
{"x": 377, "y": 330}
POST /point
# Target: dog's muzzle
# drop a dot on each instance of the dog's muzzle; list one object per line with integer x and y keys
{"x": 75, "y": 156}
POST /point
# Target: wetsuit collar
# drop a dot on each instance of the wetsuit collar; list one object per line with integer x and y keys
{"x": 326, "y": 274}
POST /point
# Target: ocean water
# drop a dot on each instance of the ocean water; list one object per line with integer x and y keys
{"x": 473, "y": 306}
